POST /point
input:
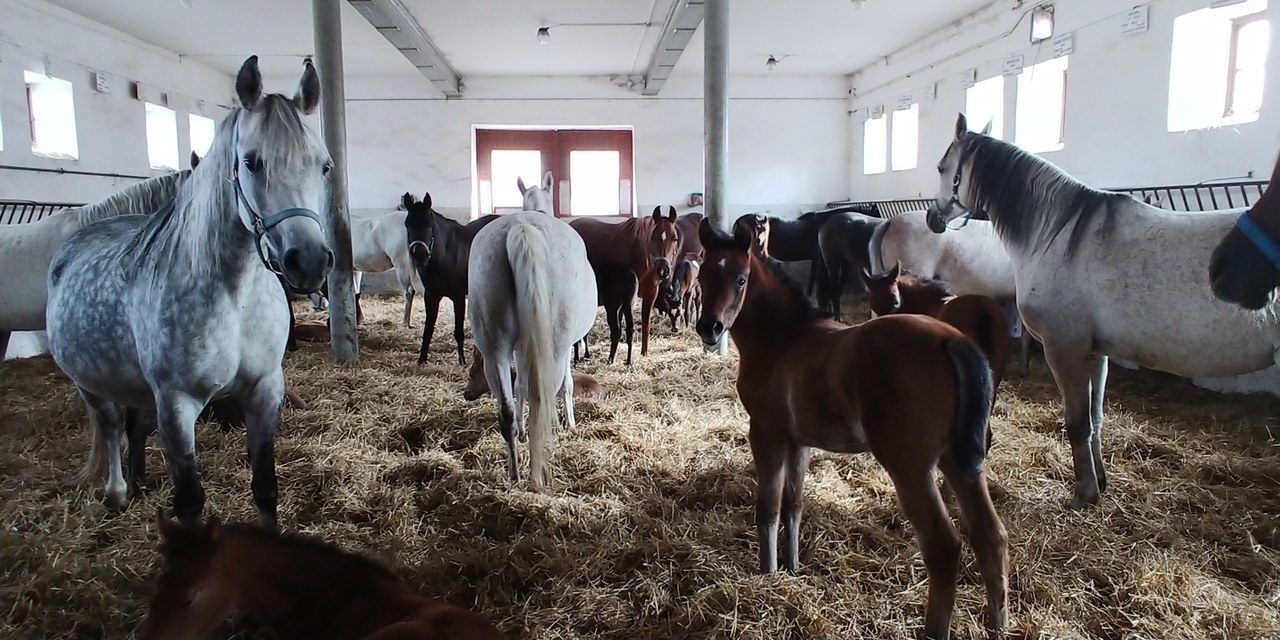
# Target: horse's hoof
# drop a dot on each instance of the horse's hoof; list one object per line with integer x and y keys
{"x": 117, "y": 501}
{"x": 1080, "y": 503}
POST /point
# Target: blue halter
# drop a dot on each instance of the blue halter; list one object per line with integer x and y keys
{"x": 1261, "y": 241}
{"x": 261, "y": 224}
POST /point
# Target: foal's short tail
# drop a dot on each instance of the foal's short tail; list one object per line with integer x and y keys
{"x": 875, "y": 257}
{"x": 973, "y": 405}
{"x": 530, "y": 258}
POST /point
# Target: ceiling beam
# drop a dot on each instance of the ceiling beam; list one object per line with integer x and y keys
{"x": 395, "y": 22}
{"x": 682, "y": 20}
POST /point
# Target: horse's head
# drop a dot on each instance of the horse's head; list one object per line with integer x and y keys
{"x": 1245, "y": 266}
{"x": 954, "y": 199}
{"x": 664, "y": 242}
{"x": 882, "y": 289}
{"x": 420, "y": 227}
{"x": 477, "y": 384}
{"x": 280, "y": 169}
{"x": 537, "y": 197}
{"x": 186, "y": 596}
{"x": 760, "y": 228}
{"x": 725, "y": 271}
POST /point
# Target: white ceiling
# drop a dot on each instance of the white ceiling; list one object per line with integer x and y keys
{"x": 497, "y": 37}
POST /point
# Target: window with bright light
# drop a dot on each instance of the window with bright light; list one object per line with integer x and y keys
{"x": 201, "y": 131}
{"x": 162, "y": 137}
{"x": 1218, "y": 66}
{"x": 594, "y": 176}
{"x": 983, "y": 103}
{"x": 51, "y": 108}
{"x": 905, "y": 138}
{"x": 509, "y": 164}
{"x": 875, "y": 145}
{"x": 1042, "y": 92}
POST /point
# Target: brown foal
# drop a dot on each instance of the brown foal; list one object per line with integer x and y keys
{"x": 910, "y": 389}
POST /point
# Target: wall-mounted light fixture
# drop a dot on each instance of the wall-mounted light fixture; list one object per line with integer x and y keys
{"x": 544, "y": 35}
{"x": 771, "y": 63}
{"x": 1041, "y": 23}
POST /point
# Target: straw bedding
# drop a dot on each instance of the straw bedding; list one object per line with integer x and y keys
{"x": 648, "y": 530}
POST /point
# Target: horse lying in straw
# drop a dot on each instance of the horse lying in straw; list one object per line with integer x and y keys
{"x": 533, "y": 295}
{"x": 174, "y": 310}
{"x": 478, "y": 384}
{"x": 908, "y": 388}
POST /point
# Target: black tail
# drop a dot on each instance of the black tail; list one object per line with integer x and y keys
{"x": 973, "y": 405}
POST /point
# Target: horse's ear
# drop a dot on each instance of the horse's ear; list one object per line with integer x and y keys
{"x": 520, "y": 185}
{"x": 745, "y": 231}
{"x": 986, "y": 129}
{"x": 195, "y": 160}
{"x": 167, "y": 526}
{"x": 249, "y": 83}
{"x": 867, "y": 278}
{"x": 962, "y": 126}
{"x": 895, "y": 271}
{"x": 426, "y": 199}
{"x": 671, "y": 213}
{"x": 406, "y": 200}
{"x": 657, "y": 212}
{"x": 308, "y": 97}
{"x": 706, "y": 234}
{"x": 546, "y": 182}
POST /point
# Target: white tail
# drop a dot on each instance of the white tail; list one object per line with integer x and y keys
{"x": 95, "y": 467}
{"x": 529, "y": 256}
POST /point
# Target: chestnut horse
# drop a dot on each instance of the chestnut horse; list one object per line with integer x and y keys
{"x": 297, "y": 586}
{"x": 1245, "y": 266}
{"x": 647, "y": 245}
{"x": 440, "y": 249}
{"x": 478, "y": 385}
{"x": 979, "y": 317}
{"x": 910, "y": 389}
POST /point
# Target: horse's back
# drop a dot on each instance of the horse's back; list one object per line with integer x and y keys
{"x": 984, "y": 321}
{"x": 26, "y": 251}
{"x": 972, "y": 260}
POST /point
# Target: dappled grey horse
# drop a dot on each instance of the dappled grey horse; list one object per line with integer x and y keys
{"x": 177, "y": 309}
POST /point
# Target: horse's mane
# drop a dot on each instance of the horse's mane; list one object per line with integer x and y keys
{"x": 913, "y": 282}
{"x": 1030, "y": 199}
{"x": 801, "y": 302}
{"x": 145, "y": 198}
{"x": 205, "y": 208}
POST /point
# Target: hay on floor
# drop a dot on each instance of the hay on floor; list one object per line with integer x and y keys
{"x": 648, "y": 530}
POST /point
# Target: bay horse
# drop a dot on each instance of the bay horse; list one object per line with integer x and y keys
{"x": 616, "y": 291}
{"x": 910, "y": 389}
{"x": 533, "y": 295}
{"x": 27, "y": 249}
{"x": 1102, "y": 274}
{"x": 176, "y": 309}
{"x": 684, "y": 295}
{"x": 537, "y": 197}
{"x": 440, "y": 249}
{"x": 648, "y": 245}
{"x": 687, "y": 227}
{"x": 1244, "y": 268}
{"x": 842, "y": 252}
{"x": 478, "y": 385}
{"x": 299, "y": 587}
{"x": 978, "y": 317}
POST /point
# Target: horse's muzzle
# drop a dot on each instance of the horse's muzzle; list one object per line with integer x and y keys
{"x": 307, "y": 269}
{"x": 711, "y": 331}
{"x": 933, "y": 218}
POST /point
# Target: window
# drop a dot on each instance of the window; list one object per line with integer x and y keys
{"x": 1042, "y": 93}
{"x": 1217, "y": 67}
{"x": 162, "y": 137}
{"x": 906, "y": 138}
{"x": 51, "y": 108}
{"x": 592, "y": 169}
{"x": 875, "y": 145}
{"x": 201, "y": 132}
{"x": 983, "y": 103}
{"x": 596, "y": 174}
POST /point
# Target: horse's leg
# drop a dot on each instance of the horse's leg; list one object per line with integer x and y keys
{"x": 770, "y": 452}
{"x": 649, "y": 295}
{"x": 408, "y": 307}
{"x": 497, "y": 370}
{"x": 261, "y": 415}
{"x": 612, "y": 317}
{"x": 4, "y": 343}
{"x": 797, "y": 467}
{"x": 105, "y": 422}
{"x": 989, "y": 539}
{"x": 566, "y": 392}
{"x": 432, "y": 301}
{"x": 629, "y": 322}
{"x": 1073, "y": 372}
{"x": 357, "y": 278}
{"x": 459, "y": 317}
{"x": 1097, "y": 391}
{"x": 176, "y": 418}
{"x": 939, "y": 543}
{"x": 139, "y": 424}
{"x": 1024, "y": 352}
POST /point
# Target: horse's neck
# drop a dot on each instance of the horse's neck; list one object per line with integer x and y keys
{"x": 920, "y": 297}
{"x": 769, "y": 311}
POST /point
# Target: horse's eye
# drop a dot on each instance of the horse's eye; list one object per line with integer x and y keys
{"x": 742, "y": 281}
{"x": 253, "y": 163}
{"x": 326, "y": 168}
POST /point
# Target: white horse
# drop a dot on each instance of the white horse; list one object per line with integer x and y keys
{"x": 537, "y": 197}
{"x": 27, "y": 249}
{"x": 1102, "y": 274}
{"x": 533, "y": 295}
{"x": 380, "y": 243}
{"x": 176, "y": 309}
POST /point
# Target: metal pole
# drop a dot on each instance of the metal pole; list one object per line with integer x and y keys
{"x": 715, "y": 101}
{"x": 342, "y": 301}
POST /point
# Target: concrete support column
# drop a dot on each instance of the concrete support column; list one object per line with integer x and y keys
{"x": 715, "y": 100}
{"x": 342, "y": 302}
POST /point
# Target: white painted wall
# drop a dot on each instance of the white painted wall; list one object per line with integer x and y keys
{"x": 1117, "y": 98}
{"x": 111, "y": 127}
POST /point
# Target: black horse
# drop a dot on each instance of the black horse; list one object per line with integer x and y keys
{"x": 794, "y": 240}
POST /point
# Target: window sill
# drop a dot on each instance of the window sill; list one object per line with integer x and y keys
{"x": 1230, "y": 121}
{"x": 53, "y": 155}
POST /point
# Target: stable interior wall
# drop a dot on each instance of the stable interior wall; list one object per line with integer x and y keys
{"x": 1116, "y": 99}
